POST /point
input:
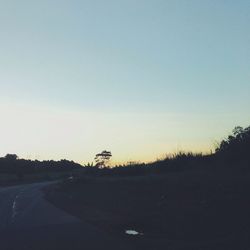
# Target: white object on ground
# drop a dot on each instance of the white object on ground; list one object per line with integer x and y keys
{"x": 133, "y": 232}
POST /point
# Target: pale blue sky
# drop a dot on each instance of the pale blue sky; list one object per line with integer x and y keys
{"x": 176, "y": 72}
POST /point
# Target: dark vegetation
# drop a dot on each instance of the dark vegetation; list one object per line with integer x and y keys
{"x": 102, "y": 158}
{"x": 187, "y": 201}
{"x": 234, "y": 151}
{"x": 236, "y": 148}
{"x": 14, "y": 170}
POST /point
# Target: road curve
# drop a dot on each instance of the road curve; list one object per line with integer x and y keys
{"x": 29, "y": 222}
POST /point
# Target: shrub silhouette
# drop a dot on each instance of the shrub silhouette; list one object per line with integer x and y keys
{"x": 11, "y": 157}
{"x": 236, "y": 146}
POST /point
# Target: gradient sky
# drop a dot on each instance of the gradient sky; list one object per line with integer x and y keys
{"x": 140, "y": 78}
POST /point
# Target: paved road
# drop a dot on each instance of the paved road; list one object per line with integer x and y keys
{"x": 29, "y": 222}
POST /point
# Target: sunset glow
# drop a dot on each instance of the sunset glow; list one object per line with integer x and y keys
{"x": 139, "y": 78}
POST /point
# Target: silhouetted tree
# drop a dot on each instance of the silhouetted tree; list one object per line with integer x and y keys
{"x": 102, "y": 158}
{"x": 11, "y": 157}
{"x": 237, "y": 145}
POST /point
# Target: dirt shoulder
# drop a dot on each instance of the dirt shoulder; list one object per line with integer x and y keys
{"x": 193, "y": 209}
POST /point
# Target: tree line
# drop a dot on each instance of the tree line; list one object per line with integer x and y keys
{"x": 11, "y": 164}
{"x": 231, "y": 150}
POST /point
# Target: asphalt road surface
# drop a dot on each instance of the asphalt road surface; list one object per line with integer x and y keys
{"x": 29, "y": 222}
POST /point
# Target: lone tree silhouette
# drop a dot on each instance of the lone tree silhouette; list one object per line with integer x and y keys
{"x": 102, "y": 159}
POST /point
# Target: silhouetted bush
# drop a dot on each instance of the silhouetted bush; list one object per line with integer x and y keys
{"x": 236, "y": 147}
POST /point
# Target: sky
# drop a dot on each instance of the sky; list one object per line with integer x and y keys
{"x": 141, "y": 78}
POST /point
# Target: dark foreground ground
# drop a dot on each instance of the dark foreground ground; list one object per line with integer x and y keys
{"x": 194, "y": 209}
{"x": 29, "y": 222}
